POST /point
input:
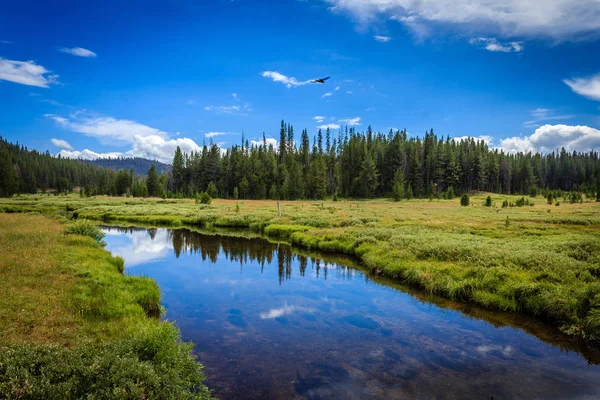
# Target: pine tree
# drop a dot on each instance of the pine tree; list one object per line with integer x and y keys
{"x": 368, "y": 177}
{"x": 409, "y": 193}
{"x": 152, "y": 182}
{"x": 318, "y": 179}
{"x": 178, "y": 167}
{"x": 398, "y": 186}
{"x": 211, "y": 190}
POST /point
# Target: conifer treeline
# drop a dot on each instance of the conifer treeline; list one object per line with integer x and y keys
{"x": 29, "y": 171}
{"x": 347, "y": 163}
{"x": 369, "y": 164}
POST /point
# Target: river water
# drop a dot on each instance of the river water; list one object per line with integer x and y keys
{"x": 272, "y": 323}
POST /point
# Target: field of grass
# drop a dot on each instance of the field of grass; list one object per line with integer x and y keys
{"x": 72, "y": 325}
{"x": 542, "y": 260}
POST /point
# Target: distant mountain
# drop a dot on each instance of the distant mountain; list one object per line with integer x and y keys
{"x": 140, "y": 165}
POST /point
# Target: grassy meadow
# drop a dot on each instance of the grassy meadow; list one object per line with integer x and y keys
{"x": 542, "y": 260}
{"x": 73, "y": 326}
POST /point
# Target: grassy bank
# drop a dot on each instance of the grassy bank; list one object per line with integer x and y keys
{"x": 543, "y": 260}
{"x": 72, "y": 325}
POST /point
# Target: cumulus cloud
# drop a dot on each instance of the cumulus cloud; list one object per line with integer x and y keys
{"x": 26, "y": 73}
{"x": 492, "y": 44}
{"x": 78, "y": 51}
{"x": 145, "y": 141}
{"x": 62, "y": 144}
{"x": 548, "y": 138}
{"x": 382, "y": 39}
{"x": 330, "y": 126}
{"x": 88, "y": 154}
{"x": 555, "y": 19}
{"x": 287, "y": 81}
{"x": 350, "y": 121}
{"x": 319, "y": 119}
{"x": 588, "y": 86}
{"x": 485, "y": 138}
{"x": 114, "y": 131}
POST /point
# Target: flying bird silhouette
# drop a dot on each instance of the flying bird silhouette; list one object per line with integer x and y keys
{"x": 322, "y": 80}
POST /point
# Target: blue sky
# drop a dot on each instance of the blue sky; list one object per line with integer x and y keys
{"x": 142, "y": 77}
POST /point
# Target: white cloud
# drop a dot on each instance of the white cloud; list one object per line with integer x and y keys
{"x": 370, "y": 109}
{"x": 120, "y": 130}
{"x": 328, "y": 94}
{"x": 235, "y": 96}
{"x": 543, "y": 114}
{"x": 270, "y": 142}
{"x": 349, "y": 92}
{"x": 492, "y": 44}
{"x": 548, "y": 138}
{"x": 88, "y": 154}
{"x": 382, "y": 39}
{"x": 318, "y": 119}
{"x": 285, "y": 310}
{"x": 330, "y": 126}
{"x": 63, "y": 144}
{"x": 337, "y": 88}
{"x": 350, "y": 121}
{"x": 26, "y": 73}
{"x": 190, "y": 102}
{"x": 505, "y": 350}
{"x": 213, "y": 134}
{"x": 485, "y": 138}
{"x": 588, "y": 86}
{"x": 159, "y": 148}
{"x": 287, "y": 81}
{"x": 556, "y": 19}
{"x": 230, "y": 110}
{"x": 78, "y": 51}
{"x": 145, "y": 141}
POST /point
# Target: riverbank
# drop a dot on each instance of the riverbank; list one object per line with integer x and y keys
{"x": 541, "y": 260}
{"x": 72, "y": 325}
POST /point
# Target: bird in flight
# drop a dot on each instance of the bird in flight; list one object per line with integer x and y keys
{"x": 322, "y": 80}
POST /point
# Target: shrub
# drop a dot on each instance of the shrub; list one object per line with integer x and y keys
{"x": 155, "y": 364}
{"x": 505, "y": 204}
{"x": 465, "y": 200}
{"x": 450, "y": 193}
{"x": 557, "y": 203}
{"x": 86, "y": 228}
{"x": 488, "y": 201}
{"x": 205, "y": 198}
{"x": 550, "y": 199}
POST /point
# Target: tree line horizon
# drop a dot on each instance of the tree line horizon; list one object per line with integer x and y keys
{"x": 350, "y": 164}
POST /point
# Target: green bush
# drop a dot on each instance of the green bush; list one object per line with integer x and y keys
{"x": 154, "y": 365}
{"x": 505, "y": 204}
{"x": 465, "y": 200}
{"x": 488, "y": 201}
{"x": 86, "y": 228}
{"x": 205, "y": 198}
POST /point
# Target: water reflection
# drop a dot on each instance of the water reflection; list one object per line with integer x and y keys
{"x": 269, "y": 322}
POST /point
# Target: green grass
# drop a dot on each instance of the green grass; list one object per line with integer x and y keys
{"x": 545, "y": 262}
{"x": 73, "y": 326}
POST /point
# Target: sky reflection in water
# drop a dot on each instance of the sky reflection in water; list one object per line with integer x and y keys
{"x": 268, "y": 323}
